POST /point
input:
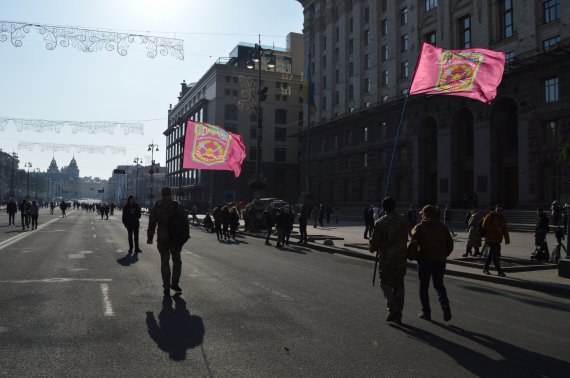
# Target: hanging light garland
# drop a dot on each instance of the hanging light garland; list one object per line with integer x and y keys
{"x": 89, "y": 127}
{"x": 59, "y": 147}
{"x": 87, "y": 40}
{"x": 247, "y": 94}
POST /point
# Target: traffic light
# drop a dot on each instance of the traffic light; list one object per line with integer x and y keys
{"x": 262, "y": 94}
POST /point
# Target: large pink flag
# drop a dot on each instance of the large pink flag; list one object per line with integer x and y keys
{"x": 474, "y": 73}
{"x": 210, "y": 147}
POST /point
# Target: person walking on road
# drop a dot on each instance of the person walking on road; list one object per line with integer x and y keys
{"x": 368, "y": 221}
{"x": 495, "y": 228}
{"x": 434, "y": 245}
{"x": 130, "y": 218}
{"x": 11, "y": 209}
{"x": 25, "y": 215}
{"x": 63, "y": 207}
{"x": 315, "y": 215}
{"x": 269, "y": 221}
{"x": 160, "y": 215}
{"x": 389, "y": 238}
{"x": 474, "y": 237}
{"x": 303, "y": 216}
{"x": 34, "y": 214}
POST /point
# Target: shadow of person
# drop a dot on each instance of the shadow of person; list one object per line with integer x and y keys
{"x": 517, "y": 361}
{"x": 128, "y": 259}
{"x": 176, "y": 330}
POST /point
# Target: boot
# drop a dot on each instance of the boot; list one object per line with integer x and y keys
{"x": 446, "y": 313}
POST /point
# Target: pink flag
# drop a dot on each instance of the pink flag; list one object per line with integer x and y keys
{"x": 210, "y": 147}
{"x": 474, "y": 73}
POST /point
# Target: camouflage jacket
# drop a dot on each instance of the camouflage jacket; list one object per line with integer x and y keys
{"x": 160, "y": 214}
{"x": 390, "y": 236}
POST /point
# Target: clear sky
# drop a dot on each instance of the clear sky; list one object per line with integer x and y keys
{"x": 69, "y": 85}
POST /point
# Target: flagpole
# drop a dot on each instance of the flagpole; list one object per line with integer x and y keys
{"x": 387, "y": 190}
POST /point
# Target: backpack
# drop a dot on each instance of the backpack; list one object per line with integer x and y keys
{"x": 178, "y": 226}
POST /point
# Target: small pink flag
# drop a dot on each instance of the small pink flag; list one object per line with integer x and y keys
{"x": 211, "y": 147}
{"x": 474, "y": 73}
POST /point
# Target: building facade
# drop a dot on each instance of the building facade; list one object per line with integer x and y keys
{"x": 226, "y": 96}
{"x": 363, "y": 54}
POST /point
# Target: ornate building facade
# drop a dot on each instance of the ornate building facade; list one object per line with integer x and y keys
{"x": 363, "y": 54}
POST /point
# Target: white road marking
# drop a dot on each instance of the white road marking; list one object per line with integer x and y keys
{"x": 14, "y": 239}
{"x": 58, "y": 280}
{"x": 106, "y": 300}
{"x": 275, "y": 292}
{"x": 78, "y": 255}
{"x": 193, "y": 254}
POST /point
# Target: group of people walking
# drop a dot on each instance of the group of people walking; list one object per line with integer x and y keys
{"x": 29, "y": 212}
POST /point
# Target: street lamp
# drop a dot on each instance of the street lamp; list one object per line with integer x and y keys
{"x": 14, "y": 157}
{"x": 28, "y": 165}
{"x": 137, "y": 161}
{"x": 152, "y": 147}
{"x": 255, "y": 57}
{"x": 37, "y": 170}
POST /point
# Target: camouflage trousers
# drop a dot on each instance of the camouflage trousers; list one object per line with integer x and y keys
{"x": 392, "y": 272}
{"x": 167, "y": 249}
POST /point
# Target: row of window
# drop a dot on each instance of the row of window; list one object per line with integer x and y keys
{"x": 231, "y": 113}
{"x": 279, "y": 154}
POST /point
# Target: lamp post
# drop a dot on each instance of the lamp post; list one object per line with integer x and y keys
{"x": 255, "y": 57}
{"x": 14, "y": 157}
{"x": 28, "y": 165}
{"x": 37, "y": 170}
{"x": 137, "y": 161}
{"x": 152, "y": 147}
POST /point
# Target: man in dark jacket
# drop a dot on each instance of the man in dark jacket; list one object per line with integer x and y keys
{"x": 368, "y": 221}
{"x": 303, "y": 215}
{"x": 131, "y": 216}
{"x": 495, "y": 228}
{"x": 434, "y": 245}
{"x": 269, "y": 221}
{"x": 160, "y": 215}
{"x": 12, "y": 209}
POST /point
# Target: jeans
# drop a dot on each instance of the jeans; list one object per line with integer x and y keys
{"x": 12, "y": 218}
{"x": 426, "y": 270}
{"x": 495, "y": 255}
{"x": 166, "y": 250}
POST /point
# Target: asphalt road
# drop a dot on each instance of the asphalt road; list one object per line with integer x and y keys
{"x": 73, "y": 304}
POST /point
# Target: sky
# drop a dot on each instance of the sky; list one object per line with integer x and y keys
{"x": 66, "y": 84}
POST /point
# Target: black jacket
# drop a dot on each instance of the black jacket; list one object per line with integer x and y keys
{"x": 131, "y": 215}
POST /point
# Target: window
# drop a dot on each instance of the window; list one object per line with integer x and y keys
{"x": 336, "y": 98}
{"x": 431, "y": 38}
{"x": 365, "y": 160}
{"x": 277, "y": 97}
{"x": 324, "y": 61}
{"x": 384, "y": 5}
{"x": 350, "y": 46}
{"x": 366, "y": 37}
{"x": 280, "y": 155}
{"x": 231, "y": 112}
{"x": 281, "y": 134}
{"x": 324, "y": 103}
{"x": 384, "y": 53}
{"x": 509, "y": 57}
{"x": 551, "y": 11}
{"x": 228, "y": 92}
{"x": 324, "y": 82}
{"x": 366, "y": 85}
{"x": 430, "y": 4}
{"x": 384, "y": 28}
{"x": 404, "y": 16}
{"x": 336, "y": 55}
{"x": 351, "y": 69}
{"x": 385, "y": 77}
{"x": 337, "y": 34}
{"x": 351, "y": 25}
{"x": 280, "y": 116}
{"x": 550, "y": 43}
{"x": 365, "y": 134}
{"x": 234, "y": 92}
{"x": 404, "y": 43}
{"x": 337, "y": 75}
{"x": 350, "y": 92}
{"x": 550, "y": 131}
{"x": 465, "y": 32}
{"x": 324, "y": 42}
{"x": 366, "y": 14}
{"x": 404, "y": 70}
{"x": 366, "y": 61}
{"x": 253, "y": 132}
{"x": 551, "y": 90}
{"x": 228, "y": 79}
{"x": 506, "y": 18}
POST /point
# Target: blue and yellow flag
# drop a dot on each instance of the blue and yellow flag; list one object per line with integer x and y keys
{"x": 308, "y": 91}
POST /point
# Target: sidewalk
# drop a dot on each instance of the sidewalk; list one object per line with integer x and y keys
{"x": 348, "y": 239}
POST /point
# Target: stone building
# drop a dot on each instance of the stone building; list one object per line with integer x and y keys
{"x": 363, "y": 53}
{"x": 226, "y": 96}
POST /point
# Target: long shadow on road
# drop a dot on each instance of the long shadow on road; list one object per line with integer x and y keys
{"x": 176, "y": 330}
{"x": 128, "y": 259}
{"x": 515, "y": 362}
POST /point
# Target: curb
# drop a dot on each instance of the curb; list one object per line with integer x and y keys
{"x": 553, "y": 289}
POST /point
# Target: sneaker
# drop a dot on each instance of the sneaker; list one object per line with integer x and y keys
{"x": 502, "y": 274}
{"x": 176, "y": 288}
{"x": 486, "y": 271}
{"x": 446, "y": 313}
{"x": 394, "y": 317}
{"x": 424, "y": 315}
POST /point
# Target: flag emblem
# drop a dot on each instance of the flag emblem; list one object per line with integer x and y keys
{"x": 458, "y": 71}
{"x": 210, "y": 144}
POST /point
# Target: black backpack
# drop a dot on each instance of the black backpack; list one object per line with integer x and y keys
{"x": 178, "y": 226}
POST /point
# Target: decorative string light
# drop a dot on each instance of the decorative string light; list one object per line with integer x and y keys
{"x": 89, "y": 127}
{"x": 59, "y": 147}
{"x": 87, "y": 40}
{"x": 248, "y": 95}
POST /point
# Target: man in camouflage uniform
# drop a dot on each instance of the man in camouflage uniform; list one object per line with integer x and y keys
{"x": 389, "y": 237}
{"x": 161, "y": 213}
